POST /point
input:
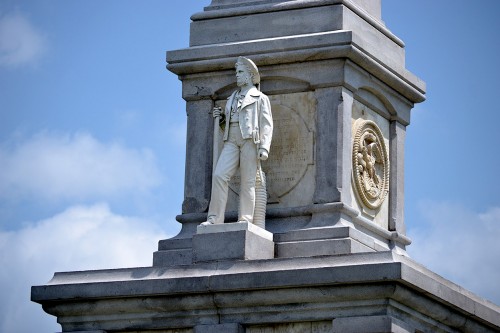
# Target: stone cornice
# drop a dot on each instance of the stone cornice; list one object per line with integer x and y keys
{"x": 300, "y": 48}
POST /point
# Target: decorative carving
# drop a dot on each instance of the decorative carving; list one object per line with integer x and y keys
{"x": 370, "y": 163}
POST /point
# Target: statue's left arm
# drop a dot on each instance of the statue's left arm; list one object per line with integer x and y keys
{"x": 265, "y": 123}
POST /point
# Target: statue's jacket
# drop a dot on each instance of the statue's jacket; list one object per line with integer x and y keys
{"x": 255, "y": 118}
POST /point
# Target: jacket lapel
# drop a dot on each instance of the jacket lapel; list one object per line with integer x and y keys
{"x": 227, "y": 110}
{"x": 251, "y": 97}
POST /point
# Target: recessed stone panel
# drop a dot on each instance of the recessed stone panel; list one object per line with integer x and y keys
{"x": 376, "y": 211}
{"x": 302, "y": 327}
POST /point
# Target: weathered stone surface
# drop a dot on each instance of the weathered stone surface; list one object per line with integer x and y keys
{"x": 219, "y": 328}
{"x": 258, "y": 292}
{"x": 175, "y": 251}
{"x": 290, "y": 170}
{"x": 333, "y": 146}
{"x": 396, "y": 191}
{"x": 370, "y": 324}
{"x": 231, "y": 227}
{"x": 198, "y": 154}
{"x": 279, "y": 23}
{"x": 324, "y": 241}
{"x": 371, "y": 7}
{"x": 321, "y": 247}
{"x": 173, "y": 257}
{"x": 307, "y": 327}
{"x": 306, "y": 49}
{"x": 236, "y": 241}
{"x": 289, "y": 18}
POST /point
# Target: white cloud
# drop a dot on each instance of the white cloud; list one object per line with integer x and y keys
{"x": 51, "y": 166}
{"x": 461, "y": 245}
{"x": 20, "y": 42}
{"x": 80, "y": 238}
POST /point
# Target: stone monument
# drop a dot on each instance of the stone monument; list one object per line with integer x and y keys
{"x": 332, "y": 254}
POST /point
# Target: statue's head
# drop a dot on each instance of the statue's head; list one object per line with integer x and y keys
{"x": 246, "y": 72}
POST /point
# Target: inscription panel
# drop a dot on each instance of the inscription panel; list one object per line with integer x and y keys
{"x": 291, "y": 153}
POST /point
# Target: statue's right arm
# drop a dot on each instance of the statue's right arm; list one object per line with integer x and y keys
{"x": 217, "y": 112}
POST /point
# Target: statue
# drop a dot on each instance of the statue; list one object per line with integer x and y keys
{"x": 247, "y": 139}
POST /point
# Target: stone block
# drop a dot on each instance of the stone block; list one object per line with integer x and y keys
{"x": 240, "y": 241}
{"x": 98, "y": 331}
{"x": 300, "y": 327}
{"x": 320, "y": 248}
{"x": 279, "y": 23}
{"x": 325, "y": 241}
{"x": 371, "y": 324}
{"x": 173, "y": 252}
{"x": 220, "y": 328}
{"x": 173, "y": 257}
{"x": 174, "y": 244}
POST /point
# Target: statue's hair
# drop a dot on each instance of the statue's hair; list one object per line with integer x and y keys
{"x": 251, "y": 67}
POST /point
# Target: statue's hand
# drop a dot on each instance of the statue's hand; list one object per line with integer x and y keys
{"x": 217, "y": 112}
{"x": 263, "y": 154}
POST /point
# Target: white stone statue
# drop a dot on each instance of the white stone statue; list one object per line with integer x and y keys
{"x": 247, "y": 140}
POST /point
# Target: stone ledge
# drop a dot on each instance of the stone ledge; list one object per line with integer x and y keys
{"x": 369, "y": 269}
{"x": 394, "y": 289}
{"x": 219, "y": 328}
{"x": 299, "y": 48}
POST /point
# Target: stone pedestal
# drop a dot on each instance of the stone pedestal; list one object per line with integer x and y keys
{"x": 232, "y": 241}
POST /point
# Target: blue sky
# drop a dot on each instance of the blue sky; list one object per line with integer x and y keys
{"x": 92, "y": 139}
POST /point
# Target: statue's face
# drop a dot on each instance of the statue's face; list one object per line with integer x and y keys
{"x": 243, "y": 77}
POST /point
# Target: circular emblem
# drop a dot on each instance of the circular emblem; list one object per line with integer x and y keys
{"x": 370, "y": 163}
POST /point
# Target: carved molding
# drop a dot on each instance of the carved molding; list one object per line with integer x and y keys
{"x": 370, "y": 162}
